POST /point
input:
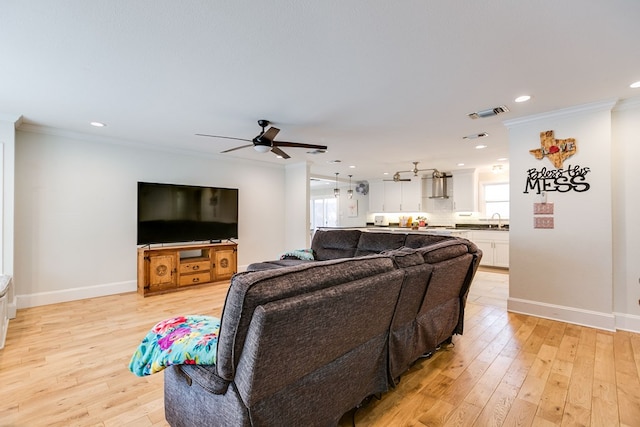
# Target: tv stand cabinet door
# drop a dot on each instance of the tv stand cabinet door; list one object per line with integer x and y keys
{"x": 162, "y": 272}
{"x": 224, "y": 263}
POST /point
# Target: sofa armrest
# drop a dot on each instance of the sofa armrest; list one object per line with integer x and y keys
{"x": 205, "y": 376}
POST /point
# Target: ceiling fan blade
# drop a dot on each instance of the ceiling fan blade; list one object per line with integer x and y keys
{"x": 237, "y": 148}
{"x": 269, "y": 134}
{"x": 298, "y": 145}
{"x": 279, "y": 152}
{"x": 224, "y": 137}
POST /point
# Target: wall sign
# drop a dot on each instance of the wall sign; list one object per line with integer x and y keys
{"x": 556, "y": 150}
{"x": 560, "y": 179}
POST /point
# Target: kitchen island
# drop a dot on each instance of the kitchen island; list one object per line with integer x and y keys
{"x": 491, "y": 239}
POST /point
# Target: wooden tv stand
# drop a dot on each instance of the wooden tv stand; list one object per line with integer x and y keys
{"x": 171, "y": 268}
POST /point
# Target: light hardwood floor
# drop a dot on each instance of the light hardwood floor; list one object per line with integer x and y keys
{"x": 66, "y": 365}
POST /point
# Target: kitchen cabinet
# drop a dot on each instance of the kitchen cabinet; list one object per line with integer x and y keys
{"x": 390, "y": 196}
{"x": 494, "y": 246}
{"x": 465, "y": 190}
{"x": 376, "y": 196}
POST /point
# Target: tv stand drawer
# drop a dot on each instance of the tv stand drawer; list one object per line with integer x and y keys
{"x": 195, "y": 278}
{"x": 194, "y": 266}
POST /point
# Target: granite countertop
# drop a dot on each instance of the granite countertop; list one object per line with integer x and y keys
{"x": 457, "y": 227}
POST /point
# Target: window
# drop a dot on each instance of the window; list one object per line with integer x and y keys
{"x": 496, "y": 199}
{"x": 324, "y": 212}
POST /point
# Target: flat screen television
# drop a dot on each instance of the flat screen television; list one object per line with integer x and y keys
{"x": 170, "y": 213}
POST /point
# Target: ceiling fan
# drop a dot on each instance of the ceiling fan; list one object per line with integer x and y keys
{"x": 415, "y": 170}
{"x": 264, "y": 141}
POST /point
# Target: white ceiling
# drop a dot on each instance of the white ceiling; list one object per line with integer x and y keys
{"x": 380, "y": 83}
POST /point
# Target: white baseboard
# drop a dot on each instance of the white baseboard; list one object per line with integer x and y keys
{"x": 593, "y": 319}
{"x": 64, "y": 295}
{"x": 12, "y": 308}
{"x": 627, "y": 322}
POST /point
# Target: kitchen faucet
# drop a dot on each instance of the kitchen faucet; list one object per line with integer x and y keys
{"x": 499, "y": 220}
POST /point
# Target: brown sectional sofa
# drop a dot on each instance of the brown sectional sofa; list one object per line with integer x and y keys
{"x": 303, "y": 342}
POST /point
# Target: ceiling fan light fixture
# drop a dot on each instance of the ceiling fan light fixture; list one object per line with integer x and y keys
{"x": 261, "y": 148}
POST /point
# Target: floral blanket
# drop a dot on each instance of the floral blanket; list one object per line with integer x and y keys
{"x": 304, "y": 254}
{"x": 191, "y": 340}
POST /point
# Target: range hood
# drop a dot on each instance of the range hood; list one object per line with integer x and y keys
{"x": 439, "y": 185}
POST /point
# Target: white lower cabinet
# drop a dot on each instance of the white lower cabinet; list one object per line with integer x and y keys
{"x": 494, "y": 246}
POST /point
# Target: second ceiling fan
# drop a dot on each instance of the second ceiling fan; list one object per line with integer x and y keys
{"x": 265, "y": 141}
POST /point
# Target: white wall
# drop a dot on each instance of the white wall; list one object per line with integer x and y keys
{"x": 626, "y": 207}
{"x": 296, "y": 216}
{"x": 8, "y": 124}
{"x": 564, "y": 273}
{"x": 76, "y": 211}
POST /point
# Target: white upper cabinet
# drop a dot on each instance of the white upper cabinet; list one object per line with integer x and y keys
{"x": 390, "y": 196}
{"x": 376, "y": 196}
{"x": 411, "y": 200}
{"x": 465, "y": 190}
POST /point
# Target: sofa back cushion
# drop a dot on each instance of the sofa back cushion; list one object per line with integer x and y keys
{"x": 299, "y": 349}
{"x": 374, "y": 243}
{"x": 441, "y": 308}
{"x": 249, "y": 290}
{"x": 334, "y": 244}
{"x": 417, "y": 240}
{"x": 444, "y": 250}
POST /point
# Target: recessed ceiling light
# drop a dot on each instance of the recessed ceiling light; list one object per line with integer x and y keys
{"x": 523, "y": 98}
{"x": 385, "y": 173}
{"x": 479, "y": 147}
{"x": 352, "y": 166}
{"x": 476, "y": 135}
{"x": 635, "y": 85}
{"x": 502, "y": 159}
{"x": 98, "y": 124}
{"x": 460, "y": 164}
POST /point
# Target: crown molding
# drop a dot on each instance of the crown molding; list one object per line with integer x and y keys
{"x": 46, "y": 130}
{"x": 16, "y": 119}
{"x": 564, "y": 112}
{"x": 627, "y": 104}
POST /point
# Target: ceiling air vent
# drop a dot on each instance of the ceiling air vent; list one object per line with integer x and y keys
{"x": 489, "y": 112}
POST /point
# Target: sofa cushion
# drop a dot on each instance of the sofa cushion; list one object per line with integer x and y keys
{"x": 374, "y": 243}
{"x": 279, "y": 263}
{"x": 443, "y": 250}
{"x": 405, "y": 257}
{"x": 421, "y": 240}
{"x": 328, "y": 244}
